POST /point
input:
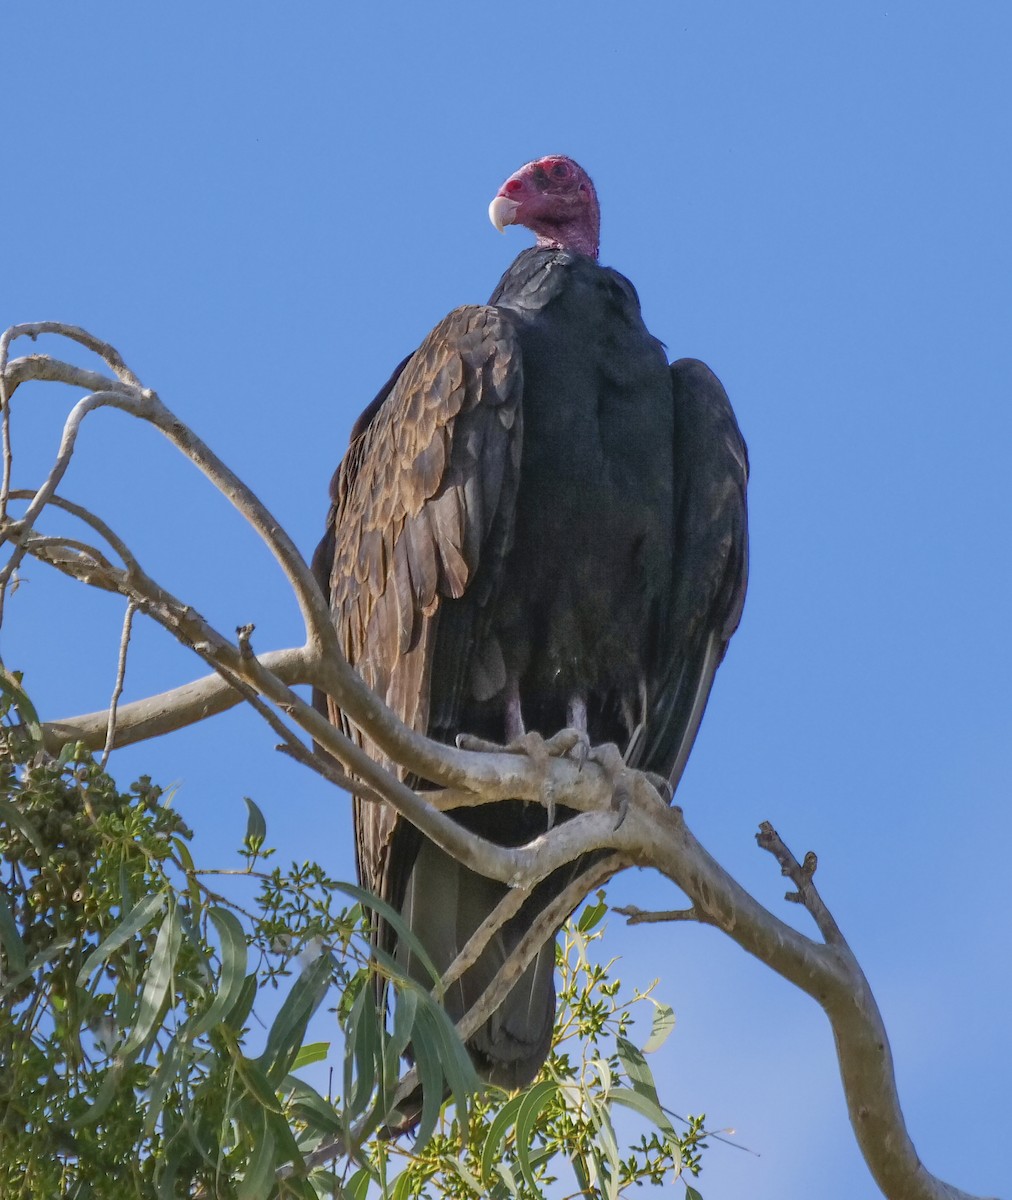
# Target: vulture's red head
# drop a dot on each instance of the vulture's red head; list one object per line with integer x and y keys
{"x": 554, "y": 198}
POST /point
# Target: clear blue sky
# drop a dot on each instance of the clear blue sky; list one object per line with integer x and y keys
{"x": 265, "y": 207}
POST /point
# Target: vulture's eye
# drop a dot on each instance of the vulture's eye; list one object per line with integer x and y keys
{"x": 560, "y": 170}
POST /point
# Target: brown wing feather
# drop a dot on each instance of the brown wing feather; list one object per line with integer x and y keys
{"x": 424, "y": 495}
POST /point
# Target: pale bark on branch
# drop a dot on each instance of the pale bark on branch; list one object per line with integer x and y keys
{"x": 651, "y": 835}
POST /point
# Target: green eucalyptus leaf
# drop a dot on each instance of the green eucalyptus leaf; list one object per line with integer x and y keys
{"x": 357, "y": 1186}
{"x": 646, "y": 1108}
{"x": 427, "y": 1047}
{"x": 14, "y": 948}
{"x": 592, "y": 915}
{"x": 143, "y": 912}
{"x": 311, "y": 1052}
{"x": 258, "y": 1178}
{"x": 307, "y": 1105}
{"x": 12, "y": 815}
{"x": 637, "y": 1069}
{"x": 233, "y": 971}
{"x": 663, "y": 1027}
{"x": 366, "y": 1048}
{"x": 158, "y": 979}
{"x": 289, "y": 1028}
{"x": 535, "y": 1102}
{"x": 239, "y": 1013}
{"x": 110, "y": 1085}
{"x": 504, "y": 1119}
{"x": 256, "y": 826}
{"x": 17, "y": 698}
{"x": 405, "y": 936}
{"x": 165, "y": 1077}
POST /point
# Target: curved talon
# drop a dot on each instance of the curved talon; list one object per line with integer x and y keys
{"x": 661, "y": 785}
{"x": 568, "y": 742}
{"x": 609, "y": 758}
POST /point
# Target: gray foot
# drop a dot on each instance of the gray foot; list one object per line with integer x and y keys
{"x": 572, "y": 743}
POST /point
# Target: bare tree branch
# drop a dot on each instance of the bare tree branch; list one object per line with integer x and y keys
{"x": 652, "y": 834}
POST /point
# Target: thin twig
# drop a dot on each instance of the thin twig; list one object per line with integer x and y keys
{"x": 800, "y": 875}
{"x": 74, "y": 333}
{"x": 88, "y": 517}
{"x": 117, "y": 691}
{"x": 639, "y": 916}
{"x": 330, "y": 771}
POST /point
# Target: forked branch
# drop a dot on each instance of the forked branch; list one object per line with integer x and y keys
{"x": 652, "y": 833}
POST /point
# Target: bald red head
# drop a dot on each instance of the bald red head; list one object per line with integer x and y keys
{"x": 555, "y": 199}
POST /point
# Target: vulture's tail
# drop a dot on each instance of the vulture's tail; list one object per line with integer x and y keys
{"x": 444, "y": 904}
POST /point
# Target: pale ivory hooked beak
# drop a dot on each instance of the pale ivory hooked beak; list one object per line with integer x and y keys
{"x": 501, "y": 212}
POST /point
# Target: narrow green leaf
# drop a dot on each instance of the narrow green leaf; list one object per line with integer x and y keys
{"x": 402, "y": 1188}
{"x": 167, "y": 1074}
{"x": 607, "y": 1143}
{"x": 258, "y": 1179}
{"x": 144, "y": 911}
{"x": 366, "y": 1052}
{"x": 106, "y": 1095}
{"x": 508, "y": 1178}
{"x": 466, "y": 1176}
{"x": 405, "y": 1007}
{"x": 54, "y": 950}
{"x": 233, "y": 971}
{"x": 663, "y": 1025}
{"x": 240, "y": 1011}
{"x": 501, "y": 1123}
{"x": 603, "y": 1070}
{"x": 167, "y": 1170}
{"x": 455, "y": 1062}
{"x": 286, "y": 1148}
{"x": 256, "y": 826}
{"x": 258, "y": 1086}
{"x": 406, "y": 938}
{"x": 157, "y": 983}
{"x": 12, "y": 815}
{"x": 637, "y": 1068}
{"x": 646, "y": 1108}
{"x": 307, "y": 1105}
{"x": 426, "y": 1045}
{"x": 691, "y": 1193}
{"x": 357, "y": 1187}
{"x": 192, "y": 886}
{"x": 289, "y": 1028}
{"x": 535, "y": 1102}
{"x": 578, "y": 1163}
{"x": 311, "y": 1052}
{"x": 592, "y": 914}
{"x": 10, "y": 939}
{"x": 10, "y": 686}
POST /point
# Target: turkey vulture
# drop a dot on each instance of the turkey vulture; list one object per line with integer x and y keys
{"x": 538, "y": 524}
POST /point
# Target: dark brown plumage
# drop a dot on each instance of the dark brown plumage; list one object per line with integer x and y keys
{"x": 538, "y": 523}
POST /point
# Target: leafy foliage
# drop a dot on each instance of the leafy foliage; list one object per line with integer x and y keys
{"x": 560, "y": 1135}
{"x": 133, "y": 1062}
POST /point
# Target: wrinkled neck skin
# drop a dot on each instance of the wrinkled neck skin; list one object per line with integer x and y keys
{"x": 581, "y": 237}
